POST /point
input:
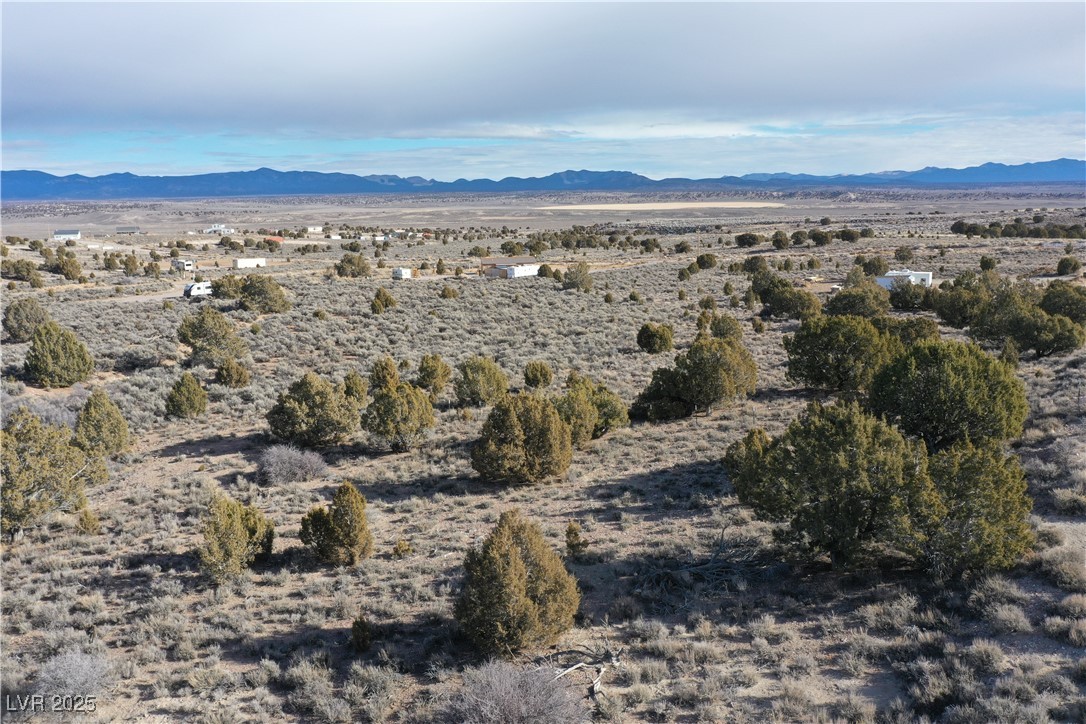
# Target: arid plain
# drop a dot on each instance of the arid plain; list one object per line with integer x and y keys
{"x": 690, "y": 610}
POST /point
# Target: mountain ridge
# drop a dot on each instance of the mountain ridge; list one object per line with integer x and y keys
{"x": 30, "y": 185}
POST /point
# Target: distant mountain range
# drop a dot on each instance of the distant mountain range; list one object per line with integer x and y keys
{"x": 39, "y": 186}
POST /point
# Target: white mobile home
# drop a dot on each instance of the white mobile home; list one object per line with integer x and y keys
{"x": 183, "y": 264}
{"x": 220, "y": 229}
{"x": 913, "y": 277}
{"x": 403, "y": 272}
{"x": 512, "y": 271}
{"x": 67, "y": 235}
{"x": 251, "y": 263}
{"x": 314, "y": 229}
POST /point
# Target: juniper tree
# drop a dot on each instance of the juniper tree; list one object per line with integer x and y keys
{"x": 56, "y": 357}
{"x": 517, "y": 593}
{"x": 524, "y": 440}
{"x": 842, "y": 480}
{"x": 42, "y": 471}
{"x": 23, "y": 317}
{"x": 399, "y": 416}
{"x": 339, "y": 533}
{"x": 100, "y": 428}
{"x": 313, "y": 413}
{"x": 187, "y": 398}
{"x": 945, "y": 392}
{"x": 480, "y": 382}
{"x": 212, "y": 337}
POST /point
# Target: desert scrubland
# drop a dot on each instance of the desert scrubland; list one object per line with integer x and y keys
{"x": 690, "y": 609}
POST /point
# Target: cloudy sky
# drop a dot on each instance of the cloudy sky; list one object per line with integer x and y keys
{"x": 458, "y": 90}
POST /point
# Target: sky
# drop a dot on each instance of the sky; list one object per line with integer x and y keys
{"x": 473, "y": 90}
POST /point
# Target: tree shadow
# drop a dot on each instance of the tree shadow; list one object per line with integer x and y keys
{"x": 659, "y": 495}
{"x": 248, "y": 445}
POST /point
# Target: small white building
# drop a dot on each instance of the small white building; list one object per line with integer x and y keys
{"x": 183, "y": 264}
{"x": 220, "y": 229}
{"x": 251, "y": 263}
{"x": 913, "y": 277}
{"x": 512, "y": 271}
{"x": 380, "y": 237}
{"x": 67, "y": 235}
{"x": 403, "y": 272}
{"x": 314, "y": 229}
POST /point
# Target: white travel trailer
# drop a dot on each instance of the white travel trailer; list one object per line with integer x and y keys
{"x": 198, "y": 289}
{"x": 402, "y": 272}
{"x": 183, "y": 264}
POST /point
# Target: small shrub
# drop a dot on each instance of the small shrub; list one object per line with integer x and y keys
{"x": 402, "y": 548}
{"x": 73, "y": 674}
{"x": 232, "y": 373}
{"x": 100, "y": 429}
{"x": 56, "y": 357}
{"x": 655, "y": 338}
{"x": 501, "y": 693}
{"x": 281, "y": 464}
{"x": 481, "y": 382}
{"x": 516, "y": 592}
{"x": 339, "y": 533}
{"x": 361, "y": 634}
{"x": 575, "y": 544}
{"x": 382, "y": 301}
{"x": 235, "y": 535}
{"x": 448, "y": 292}
{"x": 538, "y": 374}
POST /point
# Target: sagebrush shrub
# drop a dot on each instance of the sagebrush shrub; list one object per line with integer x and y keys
{"x": 516, "y": 593}
{"x": 56, "y": 357}
{"x": 187, "y": 398}
{"x": 339, "y": 533}
{"x": 502, "y": 693}
{"x": 287, "y": 464}
{"x": 73, "y": 674}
